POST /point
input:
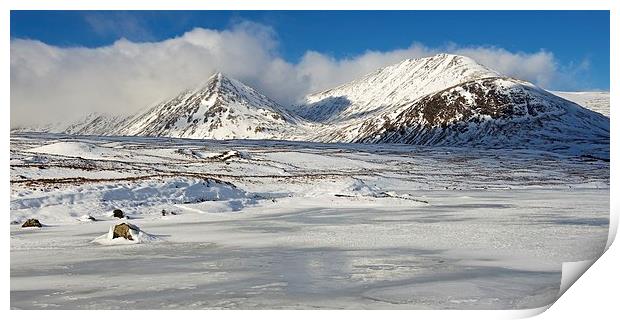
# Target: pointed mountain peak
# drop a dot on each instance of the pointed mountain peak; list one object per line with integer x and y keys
{"x": 220, "y": 76}
{"x": 219, "y": 82}
{"x": 217, "y": 76}
{"x": 219, "y": 89}
{"x": 221, "y": 108}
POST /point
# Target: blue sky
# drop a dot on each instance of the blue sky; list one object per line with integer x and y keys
{"x": 572, "y": 36}
{"x": 65, "y": 63}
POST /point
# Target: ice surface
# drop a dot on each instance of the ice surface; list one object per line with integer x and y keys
{"x": 297, "y": 225}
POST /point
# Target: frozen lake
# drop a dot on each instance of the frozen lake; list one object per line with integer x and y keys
{"x": 304, "y": 225}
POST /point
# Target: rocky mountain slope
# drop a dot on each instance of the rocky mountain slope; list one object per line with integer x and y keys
{"x": 492, "y": 113}
{"x": 95, "y": 124}
{"x": 391, "y": 86}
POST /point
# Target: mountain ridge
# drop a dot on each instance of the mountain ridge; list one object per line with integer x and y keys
{"x": 444, "y": 100}
{"x": 391, "y": 86}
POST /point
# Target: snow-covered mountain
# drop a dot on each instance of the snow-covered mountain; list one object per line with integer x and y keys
{"x": 223, "y": 108}
{"x": 90, "y": 124}
{"x": 391, "y": 86}
{"x": 95, "y": 124}
{"x": 444, "y": 100}
{"x": 492, "y": 113}
{"x": 450, "y": 100}
{"x": 594, "y": 100}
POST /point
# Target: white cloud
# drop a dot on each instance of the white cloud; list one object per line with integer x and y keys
{"x": 50, "y": 83}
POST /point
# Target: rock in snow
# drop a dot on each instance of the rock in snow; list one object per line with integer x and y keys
{"x": 124, "y": 230}
{"x": 125, "y": 233}
{"x": 87, "y": 218}
{"x": 118, "y": 213}
{"x": 32, "y": 223}
{"x": 165, "y": 212}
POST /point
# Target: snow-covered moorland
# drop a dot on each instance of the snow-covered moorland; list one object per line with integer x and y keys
{"x": 276, "y": 224}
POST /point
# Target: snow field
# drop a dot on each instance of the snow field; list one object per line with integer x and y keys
{"x": 264, "y": 224}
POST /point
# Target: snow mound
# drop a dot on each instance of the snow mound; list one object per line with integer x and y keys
{"x": 349, "y": 187}
{"x": 354, "y": 188}
{"x": 360, "y": 188}
{"x": 175, "y": 191}
{"x": 135, "y": 198}
{"x": 36, "y": 159}
{"x": 75, "y": 149}
{"x": 224, "y": 156}
{"x": 137, "y": 235}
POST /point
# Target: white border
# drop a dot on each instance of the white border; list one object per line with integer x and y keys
{"x": 316, "y": 5}
{"x": 594, "y": 295}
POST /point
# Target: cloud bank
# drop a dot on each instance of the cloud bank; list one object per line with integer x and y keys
{"x": 51, "y": 84}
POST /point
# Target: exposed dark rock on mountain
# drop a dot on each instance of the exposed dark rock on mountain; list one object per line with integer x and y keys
{"x": 494, "y": 113}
